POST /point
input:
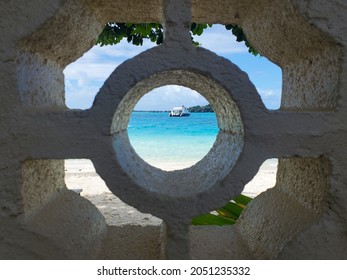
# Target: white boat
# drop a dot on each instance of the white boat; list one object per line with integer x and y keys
{"x": 179, "y": 112}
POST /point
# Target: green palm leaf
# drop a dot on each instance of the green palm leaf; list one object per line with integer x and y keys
{"x": 226, "y": 215}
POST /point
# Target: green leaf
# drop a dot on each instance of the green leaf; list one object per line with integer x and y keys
{"x": 226, "y": 215}
{"x": 160, "y": 39}
{"x": 242, "y": 199}
{"x": 240, "y": 37}
{"x": 223, "y": 213}
{"x": 210, "y": 219}
{"x": 231, "y": 209}
{"x": 197, "y": 29}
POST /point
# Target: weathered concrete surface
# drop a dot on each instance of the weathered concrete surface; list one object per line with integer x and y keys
{"x": 280, "y": 219}
{"x": 71, "y": 223}
{"x": 308, "y": 206}
{"x": 218, "y": 243}
{"x": 42, "y": 180}
{"x": 129, "y": 242}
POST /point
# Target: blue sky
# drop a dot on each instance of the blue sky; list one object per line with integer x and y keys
{"x": 84, "y": 77}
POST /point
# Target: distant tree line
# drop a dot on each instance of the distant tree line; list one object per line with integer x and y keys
{"x": 201, "y": 109}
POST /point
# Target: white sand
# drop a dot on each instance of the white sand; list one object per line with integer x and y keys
{"x": 80, "y": 174}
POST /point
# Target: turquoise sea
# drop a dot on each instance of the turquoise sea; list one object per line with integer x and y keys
{"x": 172, "y": 142}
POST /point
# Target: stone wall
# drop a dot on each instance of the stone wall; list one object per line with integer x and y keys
{"x": 303, "y": 217}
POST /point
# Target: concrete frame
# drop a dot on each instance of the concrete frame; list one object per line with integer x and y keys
{"x": 302, "y": 217}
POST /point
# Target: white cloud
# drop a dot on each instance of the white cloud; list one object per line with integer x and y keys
{"x": 220, "y": 41}
{"x": 166, "y": 97}
{"x": 99, "y": 62}
{"x": 122, "y": 50}
{"x": 91, "y": 71}
{"x": 85, "y": 76}
{"x": 81, "y": 97}
{"x": 83, "y": 80}
{"x": 270, "y": 97}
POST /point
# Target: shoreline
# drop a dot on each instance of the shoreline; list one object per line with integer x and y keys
{"x": 81, "y": 174}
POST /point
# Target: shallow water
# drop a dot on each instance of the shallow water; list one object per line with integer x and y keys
{"x": 181, "y": 141}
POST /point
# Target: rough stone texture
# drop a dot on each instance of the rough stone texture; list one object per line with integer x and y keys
{"x": 271, "y": 221}
{"x": 71, "y": 223}
{"x": 42, "y": 179}
{"x": 306, "y": 180}
{"x": 328, "y": 17}
{"x": 120, "y": 11}
{"x": 133, "y": 242}
{"x": 306, "y": 86}
{"x": 309, "y": 58}
{"x": 36, "y": 207}
{"x": 40, "y": 81}
{"x": 222, "y": 11}
{"x": 41, "y": 219}
{"x": 75, "y": 28}
{"x": 217, "y": 243}
{"x": 311, "y": 81}
{"x": 17, "y": 243}
{"x": 324, "y": 240}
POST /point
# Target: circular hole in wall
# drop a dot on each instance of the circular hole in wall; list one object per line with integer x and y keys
{"x": 212, "y": 168}
{"x": 172, "y": 127}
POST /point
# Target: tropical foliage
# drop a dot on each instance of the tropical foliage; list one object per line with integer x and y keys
{"x": 135, "y": 33}
{"x": 227, "y": 215}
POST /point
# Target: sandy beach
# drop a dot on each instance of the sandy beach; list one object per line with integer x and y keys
{"x": 80, "y": 174}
